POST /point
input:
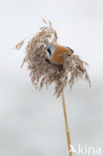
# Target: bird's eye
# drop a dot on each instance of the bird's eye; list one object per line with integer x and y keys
{"x": 49, "y": 51}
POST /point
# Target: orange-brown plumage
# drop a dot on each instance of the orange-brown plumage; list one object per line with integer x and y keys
{"x": 55, "y": 53}
{"x": 59, "y": 51}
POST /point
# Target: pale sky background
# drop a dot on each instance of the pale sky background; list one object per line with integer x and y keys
{"x": 32, "y": 122}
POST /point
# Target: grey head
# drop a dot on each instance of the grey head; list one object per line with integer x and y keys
{"x": 49, "y": 49}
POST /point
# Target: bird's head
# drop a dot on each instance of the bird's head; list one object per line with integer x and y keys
{"x": 49, "y": 49}
{"x": 54, "y": 53}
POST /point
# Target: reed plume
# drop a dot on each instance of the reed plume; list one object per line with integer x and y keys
{"x": 45, "y": 73}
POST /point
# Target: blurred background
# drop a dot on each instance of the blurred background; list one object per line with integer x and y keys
{"x": 32, "y": 122}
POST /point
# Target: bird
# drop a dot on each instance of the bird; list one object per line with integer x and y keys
{"x": 54, "y": 53}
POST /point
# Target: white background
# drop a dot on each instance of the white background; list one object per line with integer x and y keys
{"x": 32, "y": 122}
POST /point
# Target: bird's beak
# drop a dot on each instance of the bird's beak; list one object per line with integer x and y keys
{"x": 45, "y": 50}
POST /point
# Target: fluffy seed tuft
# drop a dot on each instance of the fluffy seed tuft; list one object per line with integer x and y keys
{"x": 42, "y": 72}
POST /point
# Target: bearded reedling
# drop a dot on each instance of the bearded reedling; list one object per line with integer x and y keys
{"x": 55, "y": 52}
{"x": 49, "y": 62}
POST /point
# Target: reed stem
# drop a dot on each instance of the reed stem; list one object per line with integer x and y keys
{"x": 66, "y": 125}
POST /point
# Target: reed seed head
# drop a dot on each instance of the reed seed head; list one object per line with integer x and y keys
{"x": 43, "y": 72}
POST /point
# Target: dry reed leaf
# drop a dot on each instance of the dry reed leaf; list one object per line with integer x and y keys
{"x": 44, "y": 73}
{"x": 19, "y": 45}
